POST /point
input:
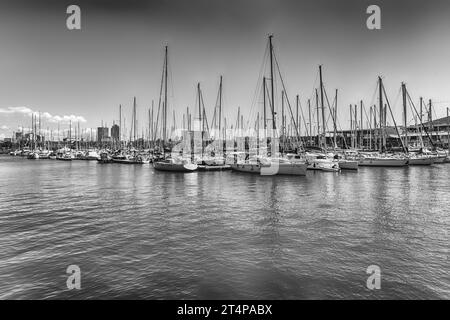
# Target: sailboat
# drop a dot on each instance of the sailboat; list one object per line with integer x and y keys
{"x": 130, "y": 158}
{"x": 34, "y": 153}
{"x": 274, "y": 164}
{"x": 318, "y": 159}
{"x": 212, "y": 161}
{"x": 170, "y": 164}
{"x": 414, "y": 158}
{"x": 382, "y": 159}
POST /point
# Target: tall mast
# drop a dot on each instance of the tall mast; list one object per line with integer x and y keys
{"x": 361, "y": 141}
{"x": 375, "y": 126}
{"x": 265, "y": 114}
{"x": 199, "y": 105}
{"x": 40, "y": 134}
{"x": 351, "y": 126}
{"x": 32, "y": 130}
{"x": 165, "y": 97}
{"x": 220, "y": 104}
{"x": 380, "y": 87}
{"x": 430, "y": 119}
{"x": 274, "y": 126}
{"x": 174, "y": 122}
{"x": 405, "y": 115}
{"x": 335, "y": 119}
{"x": 257, "y": 134}
{"x": 322, "y": 106}
{"x": 78, "y": 140}
{"x": 370, "y": 128}
{"x": 356, "y": 126}
{"x": 120, "y": 124}
{"x": 200, "y": 112}
{"x": 188, "y": 126}
{"x": 134, "y": 121}
{"x": 296, "y": 116}
{"x": 264, "y": 107}
{"x": 318, "y": 120}
{"x": 310, "y": 122}
{"x": 149, "y": 126}
{"x": 152, "y": 130}
{"x": 421, "y": 118}
{"x": 283, "y": 124}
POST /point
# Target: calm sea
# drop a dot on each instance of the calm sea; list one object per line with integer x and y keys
{"x": 138, "y": 233}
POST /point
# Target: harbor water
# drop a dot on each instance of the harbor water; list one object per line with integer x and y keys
{"x": 138, "y": 233}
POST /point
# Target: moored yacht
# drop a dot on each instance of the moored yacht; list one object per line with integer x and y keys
{"x": 378, "y": 160}
{"x": 421, "y": 160}
{"x": 175, "y": 165}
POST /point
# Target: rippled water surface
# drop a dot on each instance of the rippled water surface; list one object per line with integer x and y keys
{"x": 139, "y": 233}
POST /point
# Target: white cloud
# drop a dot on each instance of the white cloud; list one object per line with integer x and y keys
{"x": 64, "y": 119}
{"x": 4, "y": 128}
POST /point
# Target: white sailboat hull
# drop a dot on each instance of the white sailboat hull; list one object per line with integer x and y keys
{"x": 175, "y": 167}
{"x": 130, "y": 161}
{"x": 440, "y": 159}
{"x": 246, "y": 167}
{"x": 421, "y": 161}
{"x": 383, "y": 162}
{"x": 348, "y": 165}
{"x": 33, "y": 155}
{"x": 214, "y": 167}
{"x": 323, "y": 165}
{"x": 283, "y": 168}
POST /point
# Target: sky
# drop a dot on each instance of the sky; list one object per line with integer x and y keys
{"x": 83, "y": 75}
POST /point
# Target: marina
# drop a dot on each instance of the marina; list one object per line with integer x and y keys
{"x": 273, "y": 145}
{"x": 231, "y": 151}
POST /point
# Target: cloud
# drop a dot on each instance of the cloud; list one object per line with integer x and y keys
{"x": 64, "y": 119}
{"x": 4, "y": 128}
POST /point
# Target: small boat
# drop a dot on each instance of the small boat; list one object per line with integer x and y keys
{"x": 249, "y": 167}
{"x": 345, "y": 164}
{"x": 440, "y": 156}
{"x": 65, "y": 157}
{"x": 206, "y": 167}
{"x": 104, "y": 157}
{"x": 440, "y": 159}
{"x": 272, "y": 166}
{"x": 33, "y": 155}
{"x": 283, "y": 166}
{"x": 213, "y": 164}
{"x": 421, "y": 160}
{"x": 44, "y": 154}
{"x": 15, "y": 153}
{"x": 329, "y": 166}
{"x": 322, "y": 162}
{"x": 91, "y": 155}
{"x": 129, "y": 159}
{"x": 383, "y": 161}
{"x": 79, "y": 155}
{"x": 175, "y": 165}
